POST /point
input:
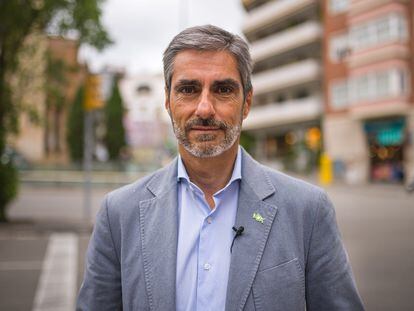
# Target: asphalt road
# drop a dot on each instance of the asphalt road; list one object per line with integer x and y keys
{"x": 377, "y": 225}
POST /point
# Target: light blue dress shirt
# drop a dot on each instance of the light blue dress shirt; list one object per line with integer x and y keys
{"x": 204, "y": 240}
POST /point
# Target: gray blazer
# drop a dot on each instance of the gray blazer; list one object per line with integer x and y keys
{"x": 294, "y": 259}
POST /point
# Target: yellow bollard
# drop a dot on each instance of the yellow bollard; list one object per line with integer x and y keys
{"x": 325, "y": 170}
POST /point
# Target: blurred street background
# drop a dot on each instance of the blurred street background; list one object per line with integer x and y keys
{"x": 82, "y": 112}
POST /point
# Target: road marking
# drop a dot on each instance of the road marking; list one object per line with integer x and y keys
{"x": 56, "y": 289}
{"x": 20, "y": 265}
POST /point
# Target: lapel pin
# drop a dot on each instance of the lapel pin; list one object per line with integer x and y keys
{"x": 258, "y": 217}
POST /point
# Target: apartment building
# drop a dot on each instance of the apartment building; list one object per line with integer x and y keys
{"x": 285, "y": 118}
{"x": 369, "y": 103}
{"x": 147, "y": 123}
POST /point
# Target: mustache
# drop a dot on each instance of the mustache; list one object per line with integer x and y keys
{"x": 205, "y": 122}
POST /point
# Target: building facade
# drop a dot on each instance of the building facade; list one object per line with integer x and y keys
{"x": 49, "y": 75}
{"x": 30, "y": 77}
{"x": 369, "y": 103}
{"x": 286, "y": 47}
{"x": 147, "y": 124}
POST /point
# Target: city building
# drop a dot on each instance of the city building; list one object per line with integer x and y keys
{"x": 369, "y": 103}
{"x": 30, "y": 77}
{"x": 147, "y": 124}
{"x": 64, "y": 76}
{"x": 284, "y": 124}
{"x": 50, "y": 75}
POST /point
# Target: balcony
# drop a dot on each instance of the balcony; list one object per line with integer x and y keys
{"x": 286, "y": 76}
{"x": 252, "y": 4}
{"x": 360, "y": 7}
{"x": 380, "y": 54}
{"x": 272, "y": 11}
{"x": 287, "y": 40}
{"x": 294, "y": 111}
{"x": 399, "y": 106}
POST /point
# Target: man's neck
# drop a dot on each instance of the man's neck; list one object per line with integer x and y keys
{"x": 210, "y": 174}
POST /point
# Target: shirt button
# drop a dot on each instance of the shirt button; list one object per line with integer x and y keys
{"x": 209, "y": 220}
{"x": 207, "y": 266}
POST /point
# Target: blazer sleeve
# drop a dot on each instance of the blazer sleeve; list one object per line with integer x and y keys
{"x": 101, "y": 288}
{"x": 330, "y": 284}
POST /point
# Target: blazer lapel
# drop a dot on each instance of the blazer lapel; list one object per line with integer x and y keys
{"x": 159, "y": 222}
{"x": 256, "y": 216}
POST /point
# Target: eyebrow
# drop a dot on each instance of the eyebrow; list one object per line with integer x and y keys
{"x": 186, "y": 82}
{"x": 227, "y": 82}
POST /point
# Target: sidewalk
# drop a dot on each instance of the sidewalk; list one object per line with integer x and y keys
{"x": 77, "y": 178}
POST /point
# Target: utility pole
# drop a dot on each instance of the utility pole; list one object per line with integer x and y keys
{"x": 92, "y": 101}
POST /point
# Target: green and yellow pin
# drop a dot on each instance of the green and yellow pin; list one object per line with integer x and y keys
{"x": 258, "y": 217}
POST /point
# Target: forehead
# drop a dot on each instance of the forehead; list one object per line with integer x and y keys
{"x": 205, "y": 66}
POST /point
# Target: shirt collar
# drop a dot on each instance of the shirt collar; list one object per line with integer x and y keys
{"x": 182, "y": 172}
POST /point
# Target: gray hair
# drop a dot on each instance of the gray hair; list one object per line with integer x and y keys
{"x": 209, "y": 38}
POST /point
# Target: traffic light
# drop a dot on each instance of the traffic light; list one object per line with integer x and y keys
{"x": 93, "y": 97}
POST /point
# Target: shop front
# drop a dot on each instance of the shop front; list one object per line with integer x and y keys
{"x": 386, "y": 141}
{"x": 294, "y": 150}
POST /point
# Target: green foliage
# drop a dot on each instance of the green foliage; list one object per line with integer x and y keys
{"x": 9, "y": 186}
{"x": 115, "y": 132}
{"x": 19, "y": 18}
{"x": 56, "y": 72}
{"x": 57, "y": 81}
{"x": 247, "y": 141}
{"x": 75, "y": 127}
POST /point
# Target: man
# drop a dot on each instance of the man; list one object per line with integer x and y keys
{"x": 215, "y": 230}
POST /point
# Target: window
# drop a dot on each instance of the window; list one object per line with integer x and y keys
{"x": 388, "y": 28}
{"x": 379, "y": 85}
{"x": 339, "y": 48}
{"x": 370, "y": 87}
{"x": 302, "y": 93}
{"x": 143, "y": 89}
{"x": 362, "y": 88}
{"x": 339, "y": 95}
{"x": 399, "y": 82}
{"x": 382, "y": 84}
{"x": 338, "y": 6}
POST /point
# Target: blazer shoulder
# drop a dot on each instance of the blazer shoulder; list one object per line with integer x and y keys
{"x": 297, "y": 197}
{"x": 292, "y": 185}
{"x": 126, "y": 197}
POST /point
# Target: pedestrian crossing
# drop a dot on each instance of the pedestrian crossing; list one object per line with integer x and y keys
{"x": 57, "y": 284}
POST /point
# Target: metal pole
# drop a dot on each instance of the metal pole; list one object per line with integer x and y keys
{"x": 87, "y": 165}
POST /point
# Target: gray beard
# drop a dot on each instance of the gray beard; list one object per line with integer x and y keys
{"x": 205, "y": 150}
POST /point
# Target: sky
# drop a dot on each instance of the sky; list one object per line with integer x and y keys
{"x": 142, "y": 29}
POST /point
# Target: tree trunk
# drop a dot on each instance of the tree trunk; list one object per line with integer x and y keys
{"x": 3, "y": 215}
{"x": 58, "y": 111}
{"x": 3, "y": 101}
{"x": 46, "y": 131}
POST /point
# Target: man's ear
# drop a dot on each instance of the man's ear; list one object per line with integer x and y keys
{"x": 247, "y": 103}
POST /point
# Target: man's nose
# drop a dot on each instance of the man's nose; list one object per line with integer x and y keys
{"x": 205, "y": 106}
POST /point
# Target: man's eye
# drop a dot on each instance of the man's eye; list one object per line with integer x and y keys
{"x": 224, "y": 90}
{"x": 187, "y": 90}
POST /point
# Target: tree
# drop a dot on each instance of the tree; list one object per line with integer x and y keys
{"x": 115, "y": 132}
{"x": 75, "y": 127}
{"x": 56, "y": 70}
{"x": 18, "y": 19}
{"x": 8, "y": 182}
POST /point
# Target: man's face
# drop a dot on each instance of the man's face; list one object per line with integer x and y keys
{"x": 205, "y": 102}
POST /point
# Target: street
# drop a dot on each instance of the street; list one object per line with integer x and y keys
{"x": 48, "y": 232}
